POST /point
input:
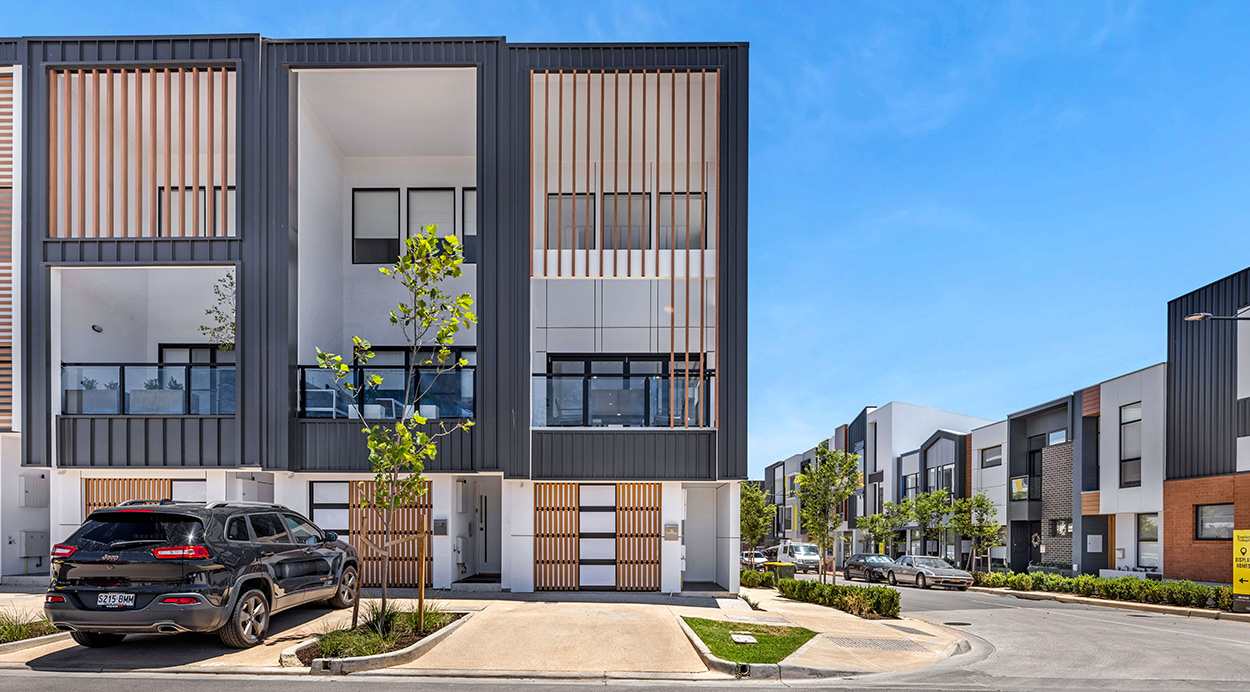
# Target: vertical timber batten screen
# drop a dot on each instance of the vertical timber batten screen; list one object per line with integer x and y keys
{"x": 556, "y": 566}
{"x": 408, "y": 522}
{"x": 7, "y": 165}
{"x": 142, "y": 153}
{"x": 99, "y": 493}
{"x": 638, "y": 536}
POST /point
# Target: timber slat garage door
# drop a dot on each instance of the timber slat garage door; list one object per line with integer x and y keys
{"x": 555, "y": 537}
{"x": 638, "y": 536}
{"x": 99, "y": 493}
{"x": 364, "y": 522}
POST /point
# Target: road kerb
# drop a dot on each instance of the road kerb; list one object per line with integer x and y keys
{"x": 1122, "y": 605}
{"x": 33, "y": 642}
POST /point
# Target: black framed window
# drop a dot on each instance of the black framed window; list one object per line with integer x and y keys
{"x": 671, "y": 205}
{"x": 375, "y": 225}
{"x": 194, "y": 353}
{"x": 468, "y": 212}
{"x": 1130, "y": 445}
{"x": 940, "y": 477}
{"x": 432, "y": 206}
{"x": 626, "y": 221}
{"x": 992, "y": 456}
{"x": 1214, "y": 522}
{"x": 1061, "y": 528}
{"x": 329, "y": 505}
{"x": 911, "y": 485}
{"x": 1020, "y": 488}
{"x": 1148, "y": 540}
{"x": 1034, "y": 458}
{"x": 1057, "y": 437}
{"x": 570, "y": 221}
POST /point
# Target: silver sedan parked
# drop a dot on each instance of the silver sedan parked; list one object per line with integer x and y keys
{"x": 925, "y": 571}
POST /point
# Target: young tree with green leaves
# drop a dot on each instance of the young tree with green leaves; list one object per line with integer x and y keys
{"x": 830, "y": 480}
{"x": 429, "y": 318}
{"x": 756, "y": 514}
{"x": 885, "y": 529}
{"x": 976, "y": 519}
{"x": 222, "y": 313}
{"x": 930, "y": 513}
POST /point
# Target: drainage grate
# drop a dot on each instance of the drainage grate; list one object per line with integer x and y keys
{"x": 877, "y": 644}
{"x": 958, "y": 624}
{"x": 909, "y": 630}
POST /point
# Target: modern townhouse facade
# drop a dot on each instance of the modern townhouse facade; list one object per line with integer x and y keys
{"x": 1206, "y": 480}
{"x": 600, "y": 192}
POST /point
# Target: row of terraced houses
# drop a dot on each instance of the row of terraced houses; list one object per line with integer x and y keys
{"x": 1145, "y": 474}
{"x": 600, "y": 192}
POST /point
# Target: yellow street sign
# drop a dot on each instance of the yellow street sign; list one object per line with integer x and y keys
{"x": 1241, "y": 562}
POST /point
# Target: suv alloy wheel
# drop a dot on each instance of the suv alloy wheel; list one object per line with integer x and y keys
{"x": 248, "y": 623}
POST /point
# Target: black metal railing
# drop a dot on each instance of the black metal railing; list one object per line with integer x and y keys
{"x": 148, "y": 389}
{"x": 443, "y": 395}
{"x": 649, "y": 401}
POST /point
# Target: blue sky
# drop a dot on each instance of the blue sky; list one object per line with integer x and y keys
{"x": 976, "y": 207}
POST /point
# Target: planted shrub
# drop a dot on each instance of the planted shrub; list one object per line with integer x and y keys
{"x": 1020, "y": 582}
{"x": 862, "y": 601}
{"x": 1223, "y": 596}
{"x": 1084, "y": 584}
{"x": 1182, "y": 593}
{"x": 749, "y": 578}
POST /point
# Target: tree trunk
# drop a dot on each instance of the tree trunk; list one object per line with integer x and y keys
{"x": 386, "y": 555}
{"x": 421, "y": 579}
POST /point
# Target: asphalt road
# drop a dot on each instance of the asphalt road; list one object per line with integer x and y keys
{"x": 1017, "y": 645}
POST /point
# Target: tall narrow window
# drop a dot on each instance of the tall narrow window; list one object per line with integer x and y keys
{"x": 435, "y": 206}
{"x": 468, "y": 207}
{"x": 1130, "y": 445}
{"x": 1147, "y": 540}
{"x": 375, "y": 225}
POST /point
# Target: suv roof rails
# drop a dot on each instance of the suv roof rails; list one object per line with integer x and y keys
{"x": 239, "y": 503}
{"x": 127, "y": 503}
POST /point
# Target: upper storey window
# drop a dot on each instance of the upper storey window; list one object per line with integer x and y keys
{"x": 142, "y": 153}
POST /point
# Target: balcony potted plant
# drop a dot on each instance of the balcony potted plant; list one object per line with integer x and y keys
{"x": 88, "y": 398}
{"x": 157, "y": 397}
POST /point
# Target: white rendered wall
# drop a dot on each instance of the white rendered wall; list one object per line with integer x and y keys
{"x": 13, "y": 518}
{"x": 991, "y": 481}
{"x": 728, "y": 534}
{"x": 1148, "y": 386}
{"x": 319, "y": 229}
{"x": 518, "y": 536}
{"x": 671, "y": 512}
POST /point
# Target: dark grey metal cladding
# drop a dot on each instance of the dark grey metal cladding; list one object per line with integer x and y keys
{"x": 339, "y": 446}
{"x": 946, "y": 454}
{"x": 1039, "y": 420}
{"x": 503, "y": 384}
{"x": 731, "y": 60}
{"x": 1204, "y": 416}
{"x": 624, "y": 455}
{"x": 9, "y": 51}
{"x": 143, "y": 251}
{"x": 130, "y": 441}
{"x": 37, "y": 54}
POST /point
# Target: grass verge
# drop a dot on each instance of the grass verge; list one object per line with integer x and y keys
{"x": 379, "y": 633}
{"x": 15, "y": 627}
{"x": 774, "y": 642}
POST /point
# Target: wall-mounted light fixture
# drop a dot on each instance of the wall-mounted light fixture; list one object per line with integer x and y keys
{"x": 97, "y": 329}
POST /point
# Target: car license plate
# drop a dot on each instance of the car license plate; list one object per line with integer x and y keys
{"x": 115, "y": 600}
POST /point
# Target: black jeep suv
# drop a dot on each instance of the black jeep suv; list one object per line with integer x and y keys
{"x": 166, "y": 567}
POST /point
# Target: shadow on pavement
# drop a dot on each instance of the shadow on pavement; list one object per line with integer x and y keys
{"x": 139, "y": 651}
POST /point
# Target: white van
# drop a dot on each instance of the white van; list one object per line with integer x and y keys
{"x": 805, "y": 556}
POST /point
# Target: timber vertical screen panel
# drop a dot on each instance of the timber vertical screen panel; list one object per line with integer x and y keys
{"x": 142, "y": 153}
{"x": 555, "y": 537}
{"x": 99, "y": 493}
{"x": 7, "y": 167}
{"x": 638, "y": 536}
{"x": 408, "y": 524}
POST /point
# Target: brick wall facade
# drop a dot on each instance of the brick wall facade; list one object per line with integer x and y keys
{"x": 1186, "y": 557}
{"x": 1056, "y": 501}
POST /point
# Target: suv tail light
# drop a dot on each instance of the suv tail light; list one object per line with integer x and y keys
{"x": 181, "y": 600}
{"x": 182, "y": 551}
{"x": 62, "y": 551}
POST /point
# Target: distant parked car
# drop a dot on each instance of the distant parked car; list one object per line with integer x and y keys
{"x": 167, "y": 567}
{"x": 866, "y": 566}
{"x": 925, "y": 571}
{"x": 752, "y": 558}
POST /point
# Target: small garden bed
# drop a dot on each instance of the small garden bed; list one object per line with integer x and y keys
{"x": 378, "y": 634}
{"x": 774, "y": 642}
{"x": 16, "y": 627}
{"x": 868, "y": 602}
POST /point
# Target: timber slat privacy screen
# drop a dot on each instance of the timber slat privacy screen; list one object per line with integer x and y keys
{"x": 638, "y": 536}
{"x": 409, "y": 522}
{"x": 141, "y": 153}
{"x": 7, "y": 166}
{"x": 99, "y": 493}
{"x": 556, "y": 565}
{"x": 625, "y": 177}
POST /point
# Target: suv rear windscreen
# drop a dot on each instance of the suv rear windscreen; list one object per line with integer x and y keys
{"x": 118, "y": 531}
